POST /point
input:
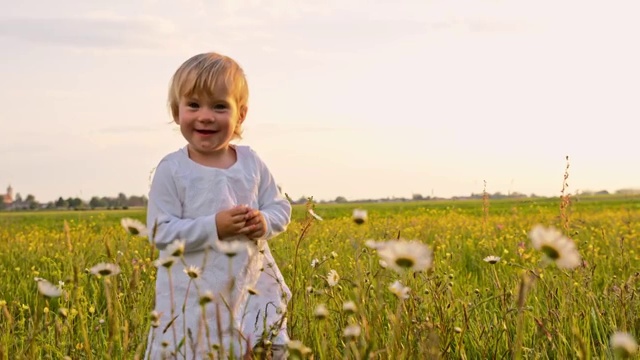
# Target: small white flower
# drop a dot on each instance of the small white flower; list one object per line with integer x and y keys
{"x": 232, "y": 247}
{"x": 555, "y": 246}
{"x": 401, "y": 291}
{"x": 176, "y": 248}
{"x": 334, "y": 255}
{"x": 623, "y": 344}
{"x": 352, "y": 331}
{"x": 206, "y": 298}
{"x": 321, "y": 312}
{"x": 492, "y": 259}
{"x": 374, "y": 244}
{"x": 134, "y": 227}
{"x": 359, "y": 216}
{"x": 333, "y": 278}
{"x": 193, "y": 271}
{"x": 383, "y": 264}
{"x": 403, "y": 255}
{"x": 315, "y": 263}
{"x": 154, "y": 316}
{"x": 48, "y": 289}
{"x": 166, "y": 262}
{"x": 105, "y": 269}
{"x": 316, "y": 216}
{"x": 349, "y": 307}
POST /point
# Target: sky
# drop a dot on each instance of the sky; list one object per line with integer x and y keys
{"x": 361, "y": 99}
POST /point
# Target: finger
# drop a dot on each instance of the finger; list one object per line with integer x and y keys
{"x": 252, "y": 213}
{"x": 239, "y": 210}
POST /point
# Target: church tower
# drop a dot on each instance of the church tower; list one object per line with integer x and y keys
{"x": 8, "y": 197}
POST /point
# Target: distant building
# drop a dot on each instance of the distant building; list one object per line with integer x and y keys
{"x": 7, "y": 198}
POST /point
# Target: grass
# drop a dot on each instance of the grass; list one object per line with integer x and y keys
{"x": 462, "y": 308}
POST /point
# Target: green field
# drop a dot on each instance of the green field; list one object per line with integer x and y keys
{"x": 461, "y": 308}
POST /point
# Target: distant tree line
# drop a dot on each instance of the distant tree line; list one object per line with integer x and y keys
{"x": 121, "y": 201}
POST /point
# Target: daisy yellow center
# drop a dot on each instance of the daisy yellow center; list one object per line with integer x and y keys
{"x": 550, "y": 251}
{"x": 133, "y": 230}
{"x": 104, "y": 272}
{"x": 359, "y": 220}
{"x": 405, "y": 262}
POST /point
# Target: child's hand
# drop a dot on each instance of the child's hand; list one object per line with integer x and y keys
{"x": 256, "y": 225}
{"x": 232, "y": 221}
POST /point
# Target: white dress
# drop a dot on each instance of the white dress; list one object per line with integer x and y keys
{"x": 183, "y": 201}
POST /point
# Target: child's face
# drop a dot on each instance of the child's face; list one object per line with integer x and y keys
{"x": 208, "y": 124}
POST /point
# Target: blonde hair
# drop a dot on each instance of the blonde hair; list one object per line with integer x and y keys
{"x": 207, "y": 75}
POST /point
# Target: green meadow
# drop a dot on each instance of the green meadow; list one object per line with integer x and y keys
{"x": 522, "y": 306}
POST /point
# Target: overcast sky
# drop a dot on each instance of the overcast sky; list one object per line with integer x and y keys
{"x": 362, "y": 99}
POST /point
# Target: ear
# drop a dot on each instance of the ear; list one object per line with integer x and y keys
{"x": 242, "y": 114}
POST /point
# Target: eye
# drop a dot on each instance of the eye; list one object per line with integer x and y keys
{"x": 193, "y": 105}
{"x": 220, "y": 107}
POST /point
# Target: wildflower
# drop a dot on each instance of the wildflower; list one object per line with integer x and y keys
{"x": 134, "y": 227}
{"x": 309, "y": 289}
{"x": 48, "y": 289}
{"x": 349, "y": 307}
{"x": 374, "y": 244}
{"x": 206, "y": 298}
{"x": 105, "y": 269}
{"x": 555, "y": 246}
{"x": 155, "y": 318}
{"x": 623, "y": 344}
{"x": 166, "y": 262}
{"x": 406, "y": 255}
{"x": 297, "y": 349}
{"x": 401, "y": 291}
{"x": 383, "y": 264}
{"x": 492, "y": 259}
{"x": 321, "y": 312}
{"x": 352, "y": 331}
{"x": 316, "y": 216}
{"x": 359, "y": 216}
{"x": 232, "y": 247}
{"x": 457, "y": 329}
{"x": 176, "y": 248}
{"x": 315, "y": 263}
{"x": 193, "y": 271}
{"x": 334, "y": 255}
{"x": 333, "y": 278}
{"x": 63, "y": 312}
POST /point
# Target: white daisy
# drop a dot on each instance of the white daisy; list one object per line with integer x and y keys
{"x": 315, "y": 263}
{"x": 134, "y": 227}
{"x": 351, "y": 331}
{"x": 349, "y": 307}
{"x": 193, "y": 271}
{"x": 623, "y": 344}
{"x": 401, "y": 291}
{"x": 492, "y": 259}
{"x": 406, "y": 255}
{"x": 374, "y": 244}
{"x": 297, "y": 349}
{"x": 105, "y": 269}
{"x": 359, "y": 216}
{"x": 321, "y": 312}
{"x": 232, "y": 247}
{"x": 48, "y": 289}
{"x": 166, "y": 262}
{"x": 333, "y": 278}
{"x": 176, "y": 248}
{"x": 555, "y": 246}
{"x": 206, "y": 298}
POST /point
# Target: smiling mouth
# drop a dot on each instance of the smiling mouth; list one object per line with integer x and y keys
{"x": 205, "y": 132}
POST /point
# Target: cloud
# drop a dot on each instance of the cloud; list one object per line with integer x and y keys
{"x": 93, "y": 31}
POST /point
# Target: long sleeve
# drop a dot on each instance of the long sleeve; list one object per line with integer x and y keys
{"x": 274, "y": 207}
{"x": 164, "y": 214}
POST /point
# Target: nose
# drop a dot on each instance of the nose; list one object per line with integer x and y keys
{"x": 206, "y": 114}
